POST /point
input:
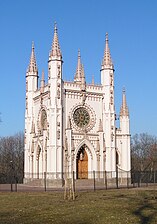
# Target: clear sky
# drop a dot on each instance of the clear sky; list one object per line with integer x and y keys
{"x": 82, "y": 24}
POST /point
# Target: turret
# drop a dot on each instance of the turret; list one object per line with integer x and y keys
{"x": 107, "y": 82}
{"x": 107, "y": 77}
{"x": 31, "y": 82}
{"x": 55, "y": 83}
{"x": 55, "y": 68}
{"x": 125, "y": 134}
{"x": 31, "y": 87}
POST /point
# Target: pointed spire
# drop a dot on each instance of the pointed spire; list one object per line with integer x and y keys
{"x": 107, "y": 61}
{"x": 124, "y": 108}
{"x": 42, "y": 82}
{"x": 80, "y": 75}
{"x": 100, "y": 129}
{"x": 32, "y": 65}
{"x": 78, "y": 69}
{"x": 55, "y": 50}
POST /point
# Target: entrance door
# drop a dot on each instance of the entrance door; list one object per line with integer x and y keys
{"x": 82, "y": 163}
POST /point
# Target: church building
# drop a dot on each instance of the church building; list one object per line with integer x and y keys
{"x": 71, "y": 125}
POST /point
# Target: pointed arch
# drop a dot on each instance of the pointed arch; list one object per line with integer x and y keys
{"x": 90, "y": 151}
{"x": 92, "y": 159}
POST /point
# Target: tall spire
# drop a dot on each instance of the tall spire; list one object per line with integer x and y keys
{"x": 55, "y": 50}
{"x": 78, "y": 74}
{"x": 107, "y": 61}
{"x": 32, "y": 67}
{"x": 124, "y": 108}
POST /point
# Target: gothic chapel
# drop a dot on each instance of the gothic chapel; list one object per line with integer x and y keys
{"x": 71, "y": 125}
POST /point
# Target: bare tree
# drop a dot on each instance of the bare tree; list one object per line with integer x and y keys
{"x": 12, "y": 158}
{"x": 144, "y": 152}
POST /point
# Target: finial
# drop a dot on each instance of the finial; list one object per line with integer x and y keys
{"x": 106, "y": 36}
{"x": 32, "y": 44}
{"x": 123, "y": 90}
{"x": 79, "y": 54}
{"x": 55, "y": 27}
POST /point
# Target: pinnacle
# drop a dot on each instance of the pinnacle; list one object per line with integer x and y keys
{"x": 124, "y": 108}
{"x": 79, "y": 75}
{"x": 107, "y": 61}
{"x": 42, "y": 82}
{"x": 55, "y": 50}
{"x": 78, "y": 69}
{"x": 42, "y": 76}
{"x": 32, "y": 65}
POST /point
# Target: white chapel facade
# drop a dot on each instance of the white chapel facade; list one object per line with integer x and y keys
{"x": 71, "y": 125}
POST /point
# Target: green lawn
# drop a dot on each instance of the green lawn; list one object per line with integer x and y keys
{"x": 100, "y": 207}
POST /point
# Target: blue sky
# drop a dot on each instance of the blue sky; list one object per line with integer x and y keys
{"x": 132, "y": 29}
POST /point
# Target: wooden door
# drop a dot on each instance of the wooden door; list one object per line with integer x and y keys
{"x": 82, "y": 165}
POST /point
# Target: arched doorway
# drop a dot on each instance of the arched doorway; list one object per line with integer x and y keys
{"x": 82, "y": 163}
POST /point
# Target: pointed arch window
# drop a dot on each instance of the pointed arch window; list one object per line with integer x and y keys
{"x": 43, "y": 120}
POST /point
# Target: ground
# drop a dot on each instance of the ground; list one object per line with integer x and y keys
{"x": 120, "y": 206}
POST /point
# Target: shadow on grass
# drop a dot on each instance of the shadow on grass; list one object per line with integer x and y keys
{"x": 146, "y": 213}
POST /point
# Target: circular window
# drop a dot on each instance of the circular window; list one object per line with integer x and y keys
{"x": 81, "y": 117}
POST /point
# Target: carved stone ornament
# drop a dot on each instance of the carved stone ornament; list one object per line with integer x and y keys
{"x": 59, "y": 71}
{"x": 58, "y": 93}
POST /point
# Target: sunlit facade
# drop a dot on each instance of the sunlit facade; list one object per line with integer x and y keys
{"x": 71, "y": 125}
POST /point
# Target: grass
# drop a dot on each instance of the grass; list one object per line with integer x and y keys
{"x": 100, "y": 207}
